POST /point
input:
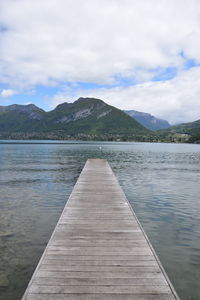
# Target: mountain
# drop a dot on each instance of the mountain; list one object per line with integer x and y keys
{"x": 16, "y": 117}
{"x": 148, "y": 120}
{"x": 31, "y": 110}
{"x": 86, "y": 118}
{"x": 186, "y": 132}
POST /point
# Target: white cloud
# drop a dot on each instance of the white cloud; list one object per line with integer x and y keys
{"x": 51, "y": 42}
{"x": 175, "y": 100}
{"x": 75, "y": 40}
{"x": 5, "y": 93}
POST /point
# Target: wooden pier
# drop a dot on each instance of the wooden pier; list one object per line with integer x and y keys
{"x": 98, "y": 249}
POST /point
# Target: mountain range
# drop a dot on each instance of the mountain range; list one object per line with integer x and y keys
{"x": 86, "y": 118}
{"x": 90, "y": 119}
{"x": 147, "y": 120}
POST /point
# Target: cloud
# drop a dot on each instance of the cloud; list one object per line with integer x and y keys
{"x": 58, "y": 42}
{"x": 176, "y": 100}
{"x": 5, "y": 93}
{"x": 49, "y": 41}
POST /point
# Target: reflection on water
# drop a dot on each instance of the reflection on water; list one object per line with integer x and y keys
{"x": 161, "y": 182}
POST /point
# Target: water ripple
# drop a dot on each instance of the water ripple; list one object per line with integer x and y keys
{"x": 160, "y": 181}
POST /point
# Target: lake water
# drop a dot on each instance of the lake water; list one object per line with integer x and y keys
{"x": 161, "y": 181}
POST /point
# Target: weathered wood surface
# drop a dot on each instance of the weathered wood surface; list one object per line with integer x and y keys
{"x": 98, "y": 249}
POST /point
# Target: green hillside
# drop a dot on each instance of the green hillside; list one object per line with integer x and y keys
{"x": 86, "y": 118}
{"x": 186, "y": 132}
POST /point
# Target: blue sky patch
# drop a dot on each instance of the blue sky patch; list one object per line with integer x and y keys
{"x": 42, "y": 95}
{"x": 189, "y": 62}
{"x": 165, "y": 74}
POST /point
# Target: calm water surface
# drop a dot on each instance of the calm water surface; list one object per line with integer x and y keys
{"x": 161, "y": 182}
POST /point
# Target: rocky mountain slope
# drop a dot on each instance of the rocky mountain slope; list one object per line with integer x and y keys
{"x": 86, "y": 118}
{"x": 147, "y": 120}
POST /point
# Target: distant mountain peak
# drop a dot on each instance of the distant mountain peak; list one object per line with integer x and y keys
{"x": 62, "y": 106}
{"x": 80, "y": 101}
{"x": 31, "y": 110}
{"x": 90, "y": 100}
{"x": 148, "y": 120}
{"x": 31, "y": 105}
{"x": 87, "y": 98}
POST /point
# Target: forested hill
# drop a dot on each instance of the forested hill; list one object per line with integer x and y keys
{"x": 86, "y": 118}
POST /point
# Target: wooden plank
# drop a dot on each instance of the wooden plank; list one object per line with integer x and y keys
{"x": 98, "y": 281}
{"x": 105, "y": 269}
{"x": 99, "y": 289}
{"x": 100, "y": 243}
{"x": 103, "y": 258}
{"x": 98, "y": 249}
{"x": 129, "y": 263}
{"x": 78, "y": 274}
{"x": 102, "y": 251}
{"x": 86, "y": 296}
{"x": 98, "y": 223}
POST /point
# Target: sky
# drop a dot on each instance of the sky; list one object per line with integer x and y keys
{"x": 142, "y": 55}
